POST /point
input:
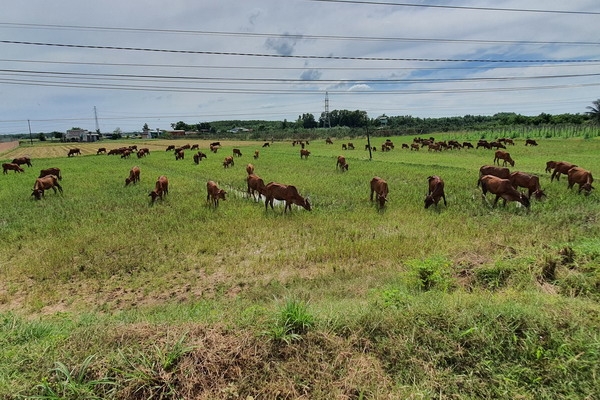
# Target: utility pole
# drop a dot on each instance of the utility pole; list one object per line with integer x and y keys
{"x": 96, "y": 119}
{"x": 327, "y": 122}
{"x": 30, "y": 139}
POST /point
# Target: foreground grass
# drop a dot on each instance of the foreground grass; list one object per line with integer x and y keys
{"x": 104, "y": 295}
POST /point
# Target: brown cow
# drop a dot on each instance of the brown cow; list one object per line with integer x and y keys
{"x": 436, "y": 191}
{"x": 74, "y": 152}
{"x": 161, "y": 188}
{"x": 194, "y": 147}
{"x": 266, "y": 144}
{"x": 179, "y": 155}
{"x": 414, "y": 146}
{"x": 530, "y": 142}
{"x": 255, "y": 184}
{"x": 380, "y": 187}
{"x": 467, "y": 145}
{"x": 11, "y": 167}
{"x": 126, "y": 153}
{"x": 237, "y": 152}
{"x": 214, "y": 148}
{"x": 51, "y": 171}
{"x": 341, "y": 163}
{"x": 328, "y": 141}
{"x": 350, "y": 146}
{"x": 561, "y": 167}
{"x": 502, "y": 188}
{"x": 505, "y": 156}
{"x": 22, "y": 160}
{"x": 287, "y": 193}
{"x": 45, "y": 183}
{"x": 405, "y": 145}
{"x": 582, "y": 177}
{"x": 134, "y": 176}
{"x": 304, "y": 153}
{"x": 170, "y": 147}
{"x": 550, "y": 165}
{"x": 214, "y": 193}
{"x": 101, "y": 150}
{"x": 500, "y": 172}
{"x": 256, "y": 154}
{"x": 250, "y": 169}
{"x": 529, "y": 182}
{"x": 114, "y": 151}
{"x": 228, "y": 161}
{"x": 198, "y": 157}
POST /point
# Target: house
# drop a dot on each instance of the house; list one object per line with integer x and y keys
{"x": 238, "y": 129}
{"x": 81, "y": 135}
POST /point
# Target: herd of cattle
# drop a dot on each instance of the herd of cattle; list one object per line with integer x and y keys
{"x": 497, "y": 180}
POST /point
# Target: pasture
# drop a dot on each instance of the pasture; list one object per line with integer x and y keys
{"x": 403, "y": 302}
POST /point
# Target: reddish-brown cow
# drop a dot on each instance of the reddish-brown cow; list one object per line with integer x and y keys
{"x": 287, "y": 193}
{"x": 304, "y": 153}
{"x": 11, "y": 167}
{"x": 341, "y": 163}
{"x": 198, "y": 157}
{"x": 134, "y": 176}
{"x": 256, "y": 154}
{"x": 250, "y": 169}
{"x": 505, "y": 156}
{"x": 582, "y": 177}
{"x": 529, "y": 182}
{"x": 237, "y": 152}
{"x": 101, "y": 150}
{"x": 500, "y": 172}
{"x": 379, "y": 187}
{"x": 161, "y": 188}
{"x": 179, "y": 155}
{"x": 45, "y": 183}
{"x": 550, "y": 165}
{"x": 436, "y": 191}
{"x": 255, "y": 184}
{"x": 51, "y": 171}
{"x": 74, "y": 152}
{"x": 502, "y": 188}
{"x": 22, "y": 160}
{"x": 228, "y": 161}
{"x": 214, "y": 193}
{"x": 561, "y": 167}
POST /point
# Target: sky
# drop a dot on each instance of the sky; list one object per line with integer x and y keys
{"x": 112, "y": 65}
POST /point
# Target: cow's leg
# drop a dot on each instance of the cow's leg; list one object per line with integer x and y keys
{"x": 496, "y": 200}
{"x": 444, "y": 197}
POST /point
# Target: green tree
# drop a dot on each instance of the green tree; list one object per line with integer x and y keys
{"x": 57, "y": 135}
{"x": 594, "y": 112}
{"x": 145, "y": 128}
{"x": 41, "y": 137}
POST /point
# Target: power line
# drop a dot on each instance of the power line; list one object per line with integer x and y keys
{"x": 475, "y": 60}
{"x": 524, "y": 10}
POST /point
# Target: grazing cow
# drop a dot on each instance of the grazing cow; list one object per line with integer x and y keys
{"x": 405, "y": 145}
{"x": 502, "y": 188}
{"x": 530, "y": 142}
{"x": 141, "y": 153}
{"x": 304, "y": 153}
{"x": 350, "y": 146}
{"x": 134, "y": 176}
{"x": 256, "y": 153}
{"x": 228, "y": 161}
{"x": 483, "y": 143}
{"x": 509, "y": 141}
{"x": 561, "y": 167}
{"x": 582, "y": 177}
{"x": 214, "y": 193}
{"x": 250, "y": 169}
{"x": 467, "y": 145}
{"x": 266, "y": 144}
{"x": 434, "y": 147}
{"x": 74, "y": 152}
{"x": 529, "y": 182}
{"x": 237, "y": 152}
{"x": 179, "y": 155}
{"x": 11, "y": 167}
{"x": 255, "y": 184}
{"x": 22, "y": 160}
{"x": 101, "y": 150}
{"x": 194, "y": 147}
{"x": 45, "y": 183}
{"x": 550, "y": 165}
{"x": 214, "y": 148}
{"x": 198, "y": 157}
{"x": 380, "y": 187}
{"x": 126, "y": 153}
{"x": 414, "y": 146}
{"x": 161, "y": 188}
{"x": 505, "y": 157}
{"x": 51, "y": 171}
{"x": 341, "y": 163}
{"x": 170, "y": 147}
{"x": 328, "y": 141}
{"x": 216, "y": 144}
{"x": 500, "y": 172}
{"x": 436, "y": 191}
{"x": 114, "y": 151}
{"x": 344, "y": 146}
{"x": 287, "y": 193}
{"x": 497, "y": 145}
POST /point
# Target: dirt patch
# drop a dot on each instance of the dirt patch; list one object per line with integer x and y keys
{"x": 6, "y": 146}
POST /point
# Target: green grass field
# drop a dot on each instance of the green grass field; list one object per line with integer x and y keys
{"x": 103, "y": 295}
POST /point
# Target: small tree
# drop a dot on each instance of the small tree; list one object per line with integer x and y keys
{"x": 41, "y": 137}
{"x": 594, "y": 112}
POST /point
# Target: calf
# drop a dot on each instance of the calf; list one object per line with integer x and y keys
{"x": 134, "y": 176}
{"x": 500, "y": 172}
{"x": 237, "y": 152}
{"x": 529, "y": 182}
{"x": 45, "y": 183}
{"x": 582, "y": 177}
{"x": 561, "y": 167}
{"x": 341, "y": 163}
{"x": 161, "y": 188}
{"x": 22, "y": 160}
{"x": 51, "y": 171}
{"x": 250, "y": 169}
{"x": 255, "y": 184}
{"x": 228, "y": 161}
{"x": 11, "y": 167}
{"x": 436, "y": 191}
{"x": 287, "y": 193}
{"x": 505, "y": 156}
{"x": 304, "y": 153}
{"x": 379, "y": 187}
{"x": 74, "y": 152}
{"x": 214, "y": 193}
{"x": 502, "y": 188}
{"x": 255, "y": 154}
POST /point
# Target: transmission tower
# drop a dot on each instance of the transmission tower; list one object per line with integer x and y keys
{"x": 96, "y": 119}
{"x": 327, "y": 122}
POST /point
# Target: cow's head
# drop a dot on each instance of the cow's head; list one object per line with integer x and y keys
{"x": 37, "y": 193}
{"x": 525, "y": 200}
{"x": 429, "y": 201}
{"x": 221, "y": 194}
{"x": 539, "y": 194}
{"x": 306, "y": 204}
{"x": 587, "y": 187}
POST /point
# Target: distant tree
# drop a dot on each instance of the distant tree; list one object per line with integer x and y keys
{"x": 284, "y": 124}
{"x": 594, "y": 111}
{"x": 307, "y": 121}
{"x": 57, "y": 135}
{"x": 145, "y": 128}
{"x": 41, "y": 137}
